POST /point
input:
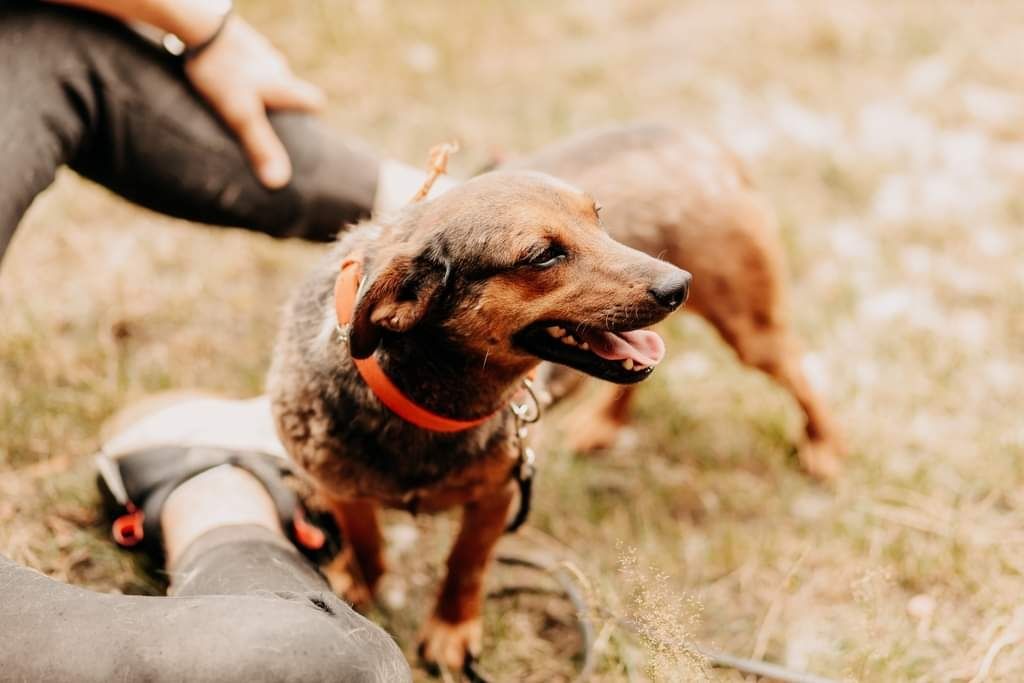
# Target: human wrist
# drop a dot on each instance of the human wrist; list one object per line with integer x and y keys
{"x": 193, "y": 22}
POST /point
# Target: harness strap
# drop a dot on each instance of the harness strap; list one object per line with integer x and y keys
{"x": 525, "y": 483}
{"x": 141, "y": 482}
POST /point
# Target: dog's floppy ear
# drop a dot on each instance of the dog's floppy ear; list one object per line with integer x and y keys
{"x": 396, "y": 299}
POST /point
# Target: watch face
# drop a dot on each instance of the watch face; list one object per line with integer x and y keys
{"x": 173, "y": 44}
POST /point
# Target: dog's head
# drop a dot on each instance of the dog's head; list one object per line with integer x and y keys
{"x": 511, "y": 267}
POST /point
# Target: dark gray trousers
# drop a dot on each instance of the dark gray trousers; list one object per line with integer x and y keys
{"x": 245, "y": 607}
{"x": 80, "y": 89}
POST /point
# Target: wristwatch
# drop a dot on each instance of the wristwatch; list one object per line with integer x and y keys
{"x": 177, "y": 47}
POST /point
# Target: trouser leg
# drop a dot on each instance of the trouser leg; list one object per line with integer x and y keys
{"x": 246, "y": 607}
{"x": 80, "y": 89}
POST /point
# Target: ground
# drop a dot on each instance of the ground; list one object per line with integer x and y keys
{"x": 890, "y": 139}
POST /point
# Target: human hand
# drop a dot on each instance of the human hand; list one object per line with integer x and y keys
{"x": 241, "y": 75}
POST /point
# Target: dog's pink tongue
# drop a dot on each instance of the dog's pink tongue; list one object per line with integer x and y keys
{"x": 644, "y": 347}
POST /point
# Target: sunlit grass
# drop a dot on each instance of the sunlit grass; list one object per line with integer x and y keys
{"x": 888, "y": 137}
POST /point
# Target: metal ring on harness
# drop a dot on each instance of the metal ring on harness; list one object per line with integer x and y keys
{"x": 522, "y": 411}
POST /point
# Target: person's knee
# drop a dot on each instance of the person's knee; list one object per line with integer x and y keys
{"x": 324, "y": 641}
{"x": 334, "y": 178}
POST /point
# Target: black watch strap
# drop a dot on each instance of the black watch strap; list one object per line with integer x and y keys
{"x": 193, "y": 51}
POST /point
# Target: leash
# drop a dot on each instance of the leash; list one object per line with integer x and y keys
{"x": 575, "y": 590}
{"x": 524, "y": 414}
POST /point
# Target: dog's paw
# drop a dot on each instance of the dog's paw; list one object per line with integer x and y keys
{"x": 821, "y": 460}
{"x": 448, "y": 645}
{"x": 345, "y": 584}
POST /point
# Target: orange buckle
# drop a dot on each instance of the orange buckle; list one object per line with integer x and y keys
{"x": 307, "y": 534}
{"x": 127, "y": 529}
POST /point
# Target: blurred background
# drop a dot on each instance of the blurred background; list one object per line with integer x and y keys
{"x": 889, "y": 137}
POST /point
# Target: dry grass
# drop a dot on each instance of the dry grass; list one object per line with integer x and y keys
{"x": 891, "y": 138}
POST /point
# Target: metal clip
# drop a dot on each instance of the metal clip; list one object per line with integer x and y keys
{"x": 524, "y": 415}
{"x": 343, "y": 332}
{"x": 526, "y": 463}
{"x": 524, "y": 412}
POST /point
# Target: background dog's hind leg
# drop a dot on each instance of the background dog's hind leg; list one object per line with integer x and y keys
{"x": 775, "y": 351}
{"x": 560, "y": 382}
{"x": 596, "y": 422}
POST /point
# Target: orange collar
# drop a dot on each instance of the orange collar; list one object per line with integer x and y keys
{"x": 345, "y": 289}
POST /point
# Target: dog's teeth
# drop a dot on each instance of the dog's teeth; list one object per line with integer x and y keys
{"x": 570, "y": 340}
{"x": 628, "y": 363}
{"x": 585, "y": 346}
{"x": 556, "y": 331}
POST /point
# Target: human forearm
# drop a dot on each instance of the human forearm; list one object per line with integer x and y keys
{"x": 193, "y": 21}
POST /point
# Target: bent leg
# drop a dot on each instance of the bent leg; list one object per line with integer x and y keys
{"x": 249, "y": 609}
{"x": 83, "y": 90}
{"x": 246, "y": 607}
{"x": 774, "y": 351}
{"x": 599, "y": 418}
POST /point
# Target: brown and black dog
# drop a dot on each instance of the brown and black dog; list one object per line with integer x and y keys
{"x": 462, "y": 297}
{"x": 684, "y": 197}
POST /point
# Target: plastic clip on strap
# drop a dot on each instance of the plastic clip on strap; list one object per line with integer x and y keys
{"x": 307, "y": 534}
{"x": 128, "y": 530}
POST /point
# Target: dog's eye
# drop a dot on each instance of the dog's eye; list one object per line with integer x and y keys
{"x": 548, "y": 257}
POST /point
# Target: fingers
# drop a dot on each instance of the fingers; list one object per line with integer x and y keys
{"x": 250, "y": 123}
{"x": 266, "y": 153}
{"x": 241, "y": 76}
{"x": 294, "y": 93}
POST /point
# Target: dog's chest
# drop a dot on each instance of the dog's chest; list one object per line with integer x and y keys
{"x": 360, "y": 453}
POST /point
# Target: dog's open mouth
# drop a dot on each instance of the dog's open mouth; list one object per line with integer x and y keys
{"x": 623, "y": 357}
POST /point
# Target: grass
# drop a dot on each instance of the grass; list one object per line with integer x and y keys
{"x": 899, "y": 190}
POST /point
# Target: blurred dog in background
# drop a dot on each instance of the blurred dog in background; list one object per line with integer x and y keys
{"x": 683, "y": 197}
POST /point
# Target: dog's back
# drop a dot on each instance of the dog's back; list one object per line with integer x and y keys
{"x": 680, "y": 195}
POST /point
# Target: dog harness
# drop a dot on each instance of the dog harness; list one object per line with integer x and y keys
{"x": 346, "y": 290}
{"x": 135, "y": 486}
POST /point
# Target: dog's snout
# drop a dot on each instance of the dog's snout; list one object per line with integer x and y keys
{"x": 672, "y": 290}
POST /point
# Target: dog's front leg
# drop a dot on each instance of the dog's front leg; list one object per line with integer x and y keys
{"x": 455, "y": 629}
{"x": 355, "y": 572}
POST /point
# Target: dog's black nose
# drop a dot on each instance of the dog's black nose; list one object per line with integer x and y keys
{"x": 672, "y": 291}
